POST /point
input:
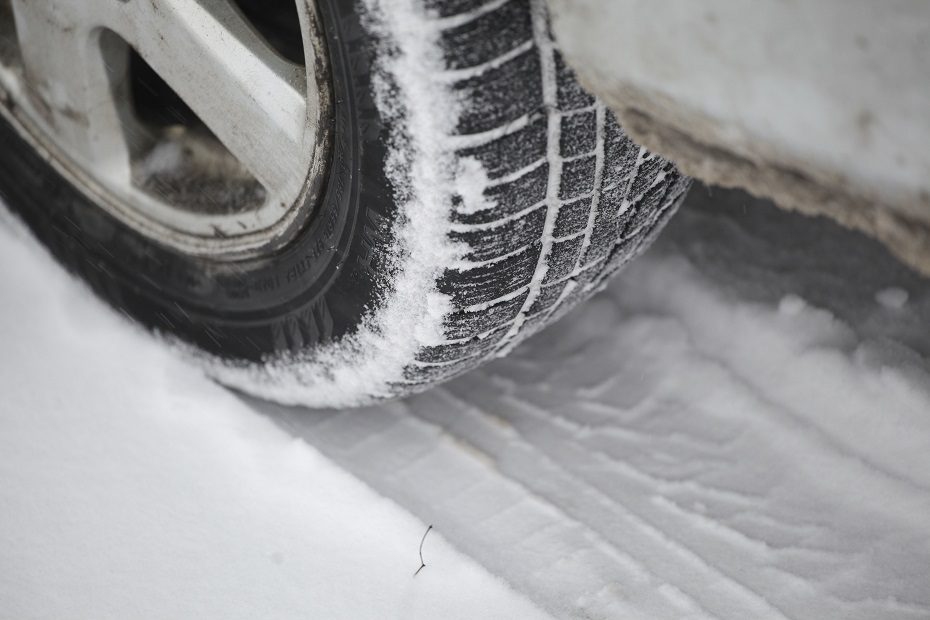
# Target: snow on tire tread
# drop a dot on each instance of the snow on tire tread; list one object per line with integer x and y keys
{"x": 557, "y": 225}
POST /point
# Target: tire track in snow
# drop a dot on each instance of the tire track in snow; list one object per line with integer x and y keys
{"x": 618, "y": 465}
{"x": 655, "y": 548}
{"x": 402, "y": 455}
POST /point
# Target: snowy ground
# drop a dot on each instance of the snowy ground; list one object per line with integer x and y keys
{"x": 132, "y": 487}
{"x": 739, "y": 427}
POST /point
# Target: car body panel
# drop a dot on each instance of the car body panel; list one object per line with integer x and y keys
{"x": 823, "y": 106}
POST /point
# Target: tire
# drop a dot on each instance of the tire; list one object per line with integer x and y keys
{"x": 475, "y": 194}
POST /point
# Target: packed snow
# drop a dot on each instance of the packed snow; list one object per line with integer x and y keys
{"x": 738, "y": 426}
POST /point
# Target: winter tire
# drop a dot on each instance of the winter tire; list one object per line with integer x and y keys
{"x": 459, "y": 192}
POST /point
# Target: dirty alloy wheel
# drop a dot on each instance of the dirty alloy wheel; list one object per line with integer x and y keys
{"x": 329, "y": 202}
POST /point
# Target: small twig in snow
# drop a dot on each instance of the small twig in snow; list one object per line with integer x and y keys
{"x": 422, "y": 563}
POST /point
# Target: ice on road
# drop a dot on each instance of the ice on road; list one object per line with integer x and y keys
{"x": 737, "y": 427}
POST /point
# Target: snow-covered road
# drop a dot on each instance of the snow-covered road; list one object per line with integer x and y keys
{"x": 738, "y": 427}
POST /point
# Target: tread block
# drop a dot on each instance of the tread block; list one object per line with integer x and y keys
{"x": 649, "y": 207}
{"x": 577, "y": 178}
{"x": 571, "y": 96}
{"x": 548, "y": 296}
{"x": 459, "y": 350}
{"x": 619, "y": 153}
{"x": 606, "y": 227}
{"x": 465, "y": 324}
{"x": 448, "y": 8}
{"x": 488, "y": 282}
{"x": 510, "y": 198}
{"x": 577, "y": 135}
{"x": 434, "y": 374}
{"x": 572, "y": 217}
{"x": 487, "y": 37}
{"x": 562, "y": 259}
{"x": 513, "y": 151}
{"x": 501, "y": 96}
{"x": 646, "y": 175}
{"x": 490, "y": 243}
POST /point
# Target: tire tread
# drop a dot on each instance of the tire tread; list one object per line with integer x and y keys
{"x": 611, "y": 197}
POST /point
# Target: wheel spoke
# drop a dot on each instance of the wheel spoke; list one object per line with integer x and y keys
{"x": 252, "y": 99}
{"x": 77, "y": 83}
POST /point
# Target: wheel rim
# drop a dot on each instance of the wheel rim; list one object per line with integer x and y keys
{"x": 234, "y": 177}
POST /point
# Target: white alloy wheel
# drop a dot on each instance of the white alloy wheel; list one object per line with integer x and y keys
{"x": 226, "y": 177}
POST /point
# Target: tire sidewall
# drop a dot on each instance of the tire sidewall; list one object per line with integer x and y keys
{"x": 313, "y": 291}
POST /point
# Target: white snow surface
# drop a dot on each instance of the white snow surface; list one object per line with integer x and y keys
{"x": 737, "y": 427}
{"x": 131, "y": 486}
